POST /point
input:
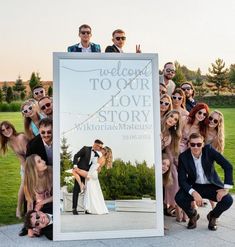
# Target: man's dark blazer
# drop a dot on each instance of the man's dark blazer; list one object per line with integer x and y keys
{"x": 36, "y": 146}
{"x": 112, "y": 48}
{"x": 84, "y": 156}
{"x": 187, "y": 170}
{"x": 190, "y": 104}
{"x": 76, "y": 48}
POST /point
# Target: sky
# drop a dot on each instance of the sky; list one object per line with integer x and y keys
{"x": 193, "y": 32}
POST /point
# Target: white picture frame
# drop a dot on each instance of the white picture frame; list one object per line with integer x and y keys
{"x": 69, "y": 69}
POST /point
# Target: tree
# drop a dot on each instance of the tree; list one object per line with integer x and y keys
{"x": 19, "y": 87}
{"x": 4, "y": 90}
{"x": 231, "y": 75}
{"x": 1, "y": 96}
{"x": 65, "y": 160}
{"x": 50, "y": 91}
{"x": 35, "y": 80}
{"x": 179, "y": 75}
{"x": 9, "y": 95}
{"x": 218, "y": 74}
{"x": 199, "y": 84}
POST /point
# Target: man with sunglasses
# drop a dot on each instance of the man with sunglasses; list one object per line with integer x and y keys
{"x": 189, "y": 91}
{"x": 198, "y": 179}
{"x": 41, "y": 223}
{"x": 167, "y": 76}
{"x": 85, "y": 45}
{"x": 38, "y": 92}
{"x": 42, "y": 143}
{"x": 119, "y": 39}
{"x": 46, "y": 106}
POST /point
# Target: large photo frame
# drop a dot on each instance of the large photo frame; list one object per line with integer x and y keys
{"x": 113, "y": 98}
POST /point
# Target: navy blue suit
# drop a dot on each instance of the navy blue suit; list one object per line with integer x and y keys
{"x": 187, "y": 180}
{"x": 76, "y": 48}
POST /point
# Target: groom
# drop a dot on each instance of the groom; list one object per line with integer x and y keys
{"x": 83, "y": 159}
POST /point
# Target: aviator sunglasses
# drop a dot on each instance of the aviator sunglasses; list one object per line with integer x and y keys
{"x": 85, "y": 32}
{"x": 122, "y": 38}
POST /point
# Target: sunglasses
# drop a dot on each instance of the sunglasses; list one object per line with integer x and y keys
{"x": 202, "y": 113}
{"x": 192, "y": 144}
{"x": 38, "y": 92}
{"x": 186, "y": 88}
{"x": 47, "y": 105}
{"x": 46, "y": 132}
{"x": 122, "y": 38}
{"x": 85, "y": 32}
{"x": 176, "y": 97}
{"x": 164, "y": 103}
{"x": 170, "y": 70}
{"x": 6, "y": 128}
{"x": 27, "y": 110}
{"x": 37, "y": 222}
{"x": 211, "y": 119}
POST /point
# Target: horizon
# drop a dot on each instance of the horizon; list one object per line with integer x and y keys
{"x": 194, "y": 33}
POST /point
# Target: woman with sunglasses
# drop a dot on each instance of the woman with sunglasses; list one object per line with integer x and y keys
{"x": 93, "y": 197}
{"x": 17, "y": 142}
{"x": 196, "y": 123}
{"x": 178, "y": 103}
{"x": 170, "y": 136}
{"x": 165, "y": 104}
{"x": 32, "y": 118}
{"x": 215, "y": 131}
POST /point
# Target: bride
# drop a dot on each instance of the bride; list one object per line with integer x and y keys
{"x": 93, "y": 197}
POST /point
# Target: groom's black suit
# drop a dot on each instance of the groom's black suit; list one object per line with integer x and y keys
{"x": 83, "y": 163}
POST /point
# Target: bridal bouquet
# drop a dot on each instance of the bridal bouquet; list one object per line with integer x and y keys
{"x": 69, "y": 182}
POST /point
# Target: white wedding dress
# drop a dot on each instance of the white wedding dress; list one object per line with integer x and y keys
{"x": 93, "y": 197}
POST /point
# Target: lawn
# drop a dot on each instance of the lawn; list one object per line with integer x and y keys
{"x": 10, "y": 168}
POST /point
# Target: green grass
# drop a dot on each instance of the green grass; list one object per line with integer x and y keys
{"x": 10, "y": 167}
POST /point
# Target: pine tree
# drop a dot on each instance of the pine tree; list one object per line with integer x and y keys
{"x": 35, "y": 80}
{"x": 231, "y": 75}
{"x": 4, "y": 90}
{"x": 50, "y": 91}
{"x": 65, "y": 160}
{"x": 218, "y": 74}
{"x": 9, "y": 95}
{"x": 179, "y": 75}
{"x": 19, "y": 87}
{"x": 1, "y": 96}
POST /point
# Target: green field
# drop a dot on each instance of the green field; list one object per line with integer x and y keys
{"x": 10, "y": 167}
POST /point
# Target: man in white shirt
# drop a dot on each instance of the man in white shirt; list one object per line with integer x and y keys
{"x": 168, "y": 75}
{"x": 198, "y": 179}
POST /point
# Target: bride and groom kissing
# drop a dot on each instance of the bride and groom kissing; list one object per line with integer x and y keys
{"x": 88, "y": 162}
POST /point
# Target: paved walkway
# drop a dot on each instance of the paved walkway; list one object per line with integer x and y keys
{"x": 177, "y": 235}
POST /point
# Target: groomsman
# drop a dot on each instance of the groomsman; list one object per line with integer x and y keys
{"x": 198, "y": 179}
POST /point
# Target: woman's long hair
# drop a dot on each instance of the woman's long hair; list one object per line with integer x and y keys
{"x": 167, "y": 176}
{"x": 3, "y": 139}
{"x": 31, "y": 181}
{"x": 108, "y": 157}
{"x": 174, "y": 131}
{"x": 202, "y": 124}
{"x": 218, "y": 141}
{"x": 28, "y": 120}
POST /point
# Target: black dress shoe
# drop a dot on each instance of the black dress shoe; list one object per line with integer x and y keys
{"x": 75, "y": 212}
{"x": 23, "y": 232}
{"x": 86, "y": 212}
{"x": 212, "y": 223}
{"x": 193, "y": 221}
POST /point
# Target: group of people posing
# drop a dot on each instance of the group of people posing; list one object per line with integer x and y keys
{"x": 33, "y": 147}
{"x": 192, "y": 139}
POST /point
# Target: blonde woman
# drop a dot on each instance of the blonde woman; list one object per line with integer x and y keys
{"x": 178, "y": 103}
{"x": 17, "y": 142}
{"x": 170, "y": 136}
{"x": 93, "y": 197}
{"x": 32, "y": 118}
{"x": 165, "y": 104}
{"x": 37, "y": 183}
{"x": 215, "y": 130}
